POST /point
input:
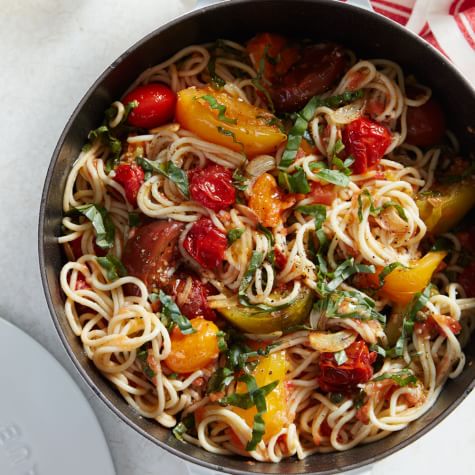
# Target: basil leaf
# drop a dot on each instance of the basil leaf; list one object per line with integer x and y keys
{"x": 103, "y": 134}
{"x": 257, "y": 258}
{"x": 114, "y": 268}
{"x": 295, "y": 183}
{"x": 168, "y": 170}
{"x": 134, "y": 220}
{"x": 171, "y": 311}
{"x": 271, "y": 240}
{"x": 334, "y": 176}
{"x": 372, "y": 210}
{"x": 387, "y": 270}
{"x": 240, "y": 182}
{"x": 398, "y": 207}
{"x": 234, "y": 234}
{"x": 378, "y": 349}
{"x": 215, "y": 105}
{"x": 222, "y": 345}
{"x": 219, "y": 380}
{"x": 402, "y": 378}
{"x": 229, "y": 133}
{"x": 347, "y": 269}
{"x": 340, "y": 357}
{"x": 111, "y": 112}
{"x": 184, "y": 426}
{"x": 217, "y": 82}
{"x": 319, "y": 212}
{"x": 101, "y": 222}
{"x": 303, "y": 118}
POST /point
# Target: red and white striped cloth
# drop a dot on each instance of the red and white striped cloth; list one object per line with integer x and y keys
{"x": 449, "y": 25}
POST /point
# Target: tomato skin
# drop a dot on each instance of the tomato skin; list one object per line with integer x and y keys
{"x": 193, "y": 351}
{"x": 156, "y": 105}
{"x": 425, "y": 124}
{"x": 212, "y": 186}
{"x": 151, "y": 252}
{"x": 320, "y": 66}
{"x": 366, "y": 141}
{"x": 344, "y": 378}
{"x": 205, "y": 244}
{"x": 131, "y": 178}
{"x": 322, "y": 194}
{"x": 197, "y": 301}
{"x": 467, "y": 279}
{"x": 430, "y": 328}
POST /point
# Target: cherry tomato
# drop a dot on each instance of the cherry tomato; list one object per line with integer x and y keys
{"x": 212, "y": 186}
{"x": 344, "y": 378}
{"x": 206, "y": 244}
{"x": 131, "y": 178}
{"x": 431, "y": 328}
{"x": 193, "y": 351}
{"x": 152, "y": 251}
{"x": 366, "y": 141}
{"x": 467, "y": 279}
{"x": 197, "y": 301}
{"x": 322, "y": 194}
{"x": 426, "y": 123}
{"x": 318, "y": 69}
{"x": 156, "y": 105}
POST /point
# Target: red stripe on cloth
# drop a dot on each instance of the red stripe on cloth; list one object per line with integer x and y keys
{"x": 460, "y": 6}
{"x": 393, "y": 4}
{"x": 425, "y": 30}
{"x": 469, "y": 17}
{"x": 401, "y": 19}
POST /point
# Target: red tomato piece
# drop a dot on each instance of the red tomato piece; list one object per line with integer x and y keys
{"x": 212, "y": 186}
{"x": 131, "y": 178}
{"x": 205, "y": 244}
{"x": 430, "y": 328}
{"x": 196, "y": 304}
{"x": 467, "y": 279}
{"x": 366, "y": 141}
{"x": 344, "y": 378}
{"x": 156, "y": 105}
{"x": 77, "y": 249}
{"x": 322, "y": 194}
{"x": 81, "y": 283}
{"x": 280, "y": 258}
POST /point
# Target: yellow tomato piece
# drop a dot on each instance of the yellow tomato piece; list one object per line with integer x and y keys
{"x": 194, "y": 351}
{"x": 240, "y": 126}
{"x": 401, "y": 284}
{"x": 268, "y": 201}
{"x": 268, "y": 370}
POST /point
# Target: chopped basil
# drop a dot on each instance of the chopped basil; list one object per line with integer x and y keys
{"x": 111, "y": 112}
{"x": 234, "y": 234}
{"x": 347, "y": 269}
{"x": 256, "y": 261}
{"x": 184, "y": 426}
{"x": 222, "y": 344}
{"x": 333, "y": 176}
{"x": 387, "y": 270}
{"x": 319, "y": 212}
{"x": 257, "y": 82}
{"x": 336, "y": 398}
{"x": 295, "y": 183}
{"x": 229, "y": 133}
{"x": 403, "y": 377}
{"x": 134, "y": 220}
{"x": 303, "y": 118}
{"x": 219, "y": 380}
{"x": 378, "y": 349}
{"x": 103, "y": 134}
{"x": 171, "y": 311}
{"x": 114, "y": 268}
{"x": 240, "y": 182}
{"x": 214, "y": 104}
{"x": 398, "y": 208}
{"x": 101, "y": 222}
{"x": 168, "y": 170}
{"x": 271, "y": 240}
{"x": 216, "y": 81}
{"x": 373, "y": 211}
{"x": 340, "y": 357}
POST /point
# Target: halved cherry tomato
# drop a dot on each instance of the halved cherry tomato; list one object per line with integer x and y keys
{"x": 322, "y": 194}
{"x": 426, "y": 123}
{"x": 402, "y": 284}
{"x": 195, "y": 350}
{"x": 241, "y": 126}
{"x": 467, "y": 279}
{"x": 431, "y": 328}
{"x": 276, "y": 52}
{"x": 212, "y": 186}
{"x": 269, "y": 369}
{"x": 366, "y": 141}
{"x": 197, "y": 301}
{"x": 318, "y": 69}
{"x": 131, "y": 178}
{"x": 205, "y": 244}
{"x": 268, "y": 201}
{"x": 345, "y": 377}
{"x": 151, "y": 252}
{"x": 156, "y": 105}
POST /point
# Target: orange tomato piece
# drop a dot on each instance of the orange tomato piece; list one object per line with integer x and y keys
{"x": 402, "y": 284}
{"x": 241, "y": 126}
{"x": 194, "y": 351}
{"x": 268, "y": 201}
{"x": 268, "y": 370}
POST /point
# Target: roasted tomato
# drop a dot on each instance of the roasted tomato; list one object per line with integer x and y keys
{"x": 205, "y": 244}
{"x": 212, "y": 186}
{"x": 322, "y": 194}
{"x": 268, "y": 201}
{"x": 320, "y": 66}
{"x": 197, "y": 297}
{"x": 355, "y": 370}
{"x": 426, "y": 123}
{"x": 152, "y": 251}
{"x": 131, "y": 178}
{"x": 432, "y": 326}
{"x": 366, "y": 141}
{"x": 156, "y": 105}
{"x": 225, "y": 120}
{"x": 467, "y": 279}
{"x": 193, "y": 351}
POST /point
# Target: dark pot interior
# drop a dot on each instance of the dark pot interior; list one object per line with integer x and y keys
{"x": 369, "y": 35}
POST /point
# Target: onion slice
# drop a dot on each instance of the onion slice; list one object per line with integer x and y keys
{"x": 331, "y": 342}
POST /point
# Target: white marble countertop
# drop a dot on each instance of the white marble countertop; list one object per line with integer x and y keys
{"x": 51, "y": 52}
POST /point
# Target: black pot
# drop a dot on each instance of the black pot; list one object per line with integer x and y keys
{"x": 369, "y": 35}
